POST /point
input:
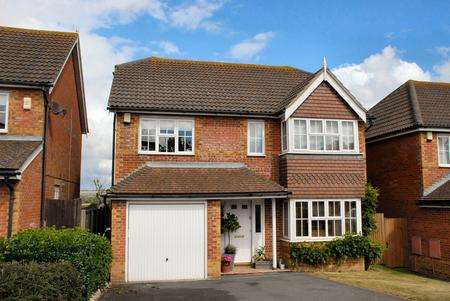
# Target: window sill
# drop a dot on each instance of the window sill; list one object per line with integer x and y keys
{"x": 311, "y": 239}
{"x": 444, "y": 165}
{"x": 256, "y": 155}
{"x": 165, "y": 154}
{"x": 327, "y": 153}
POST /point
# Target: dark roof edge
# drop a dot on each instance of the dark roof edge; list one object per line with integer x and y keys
{"x": 27, "y": 85}
{"x": 434, "y": 203}
{"x": 415, "y": 103}
{"x": 147, "y": 196}
{"x": 406, "y": 131}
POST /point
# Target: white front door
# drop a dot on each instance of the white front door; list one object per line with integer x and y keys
{"x": 166, "y": 241}
{"x": 242, "y": 238}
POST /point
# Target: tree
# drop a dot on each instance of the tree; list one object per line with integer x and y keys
{"x": 368, "y": 207}
{"x": 230, "y": 224}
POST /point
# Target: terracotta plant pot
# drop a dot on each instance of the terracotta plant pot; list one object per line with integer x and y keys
{"x": 226, "y": 268}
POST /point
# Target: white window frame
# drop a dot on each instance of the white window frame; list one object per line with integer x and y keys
{"x": 284, "y": 134}
{"x": 176, "y": 121}
{"x": 286, "y": 231}
{"x": 5, "y": 130}
{"x": 291, "y": 146}
{"x": 438, "y": 150}
{"x": 56, "y": 192}
{"x": 292, "y": 219}
{"x": 255, "y": 154}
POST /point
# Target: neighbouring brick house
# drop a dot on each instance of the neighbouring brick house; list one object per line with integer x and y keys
{"x": 281, "y": 148}
{"x": 42, "y": 119}
{"x": 408, "y": 158}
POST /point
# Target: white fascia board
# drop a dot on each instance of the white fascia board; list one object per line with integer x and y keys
{"x": 30, "y": 159}
{"x": 321, "y": 77}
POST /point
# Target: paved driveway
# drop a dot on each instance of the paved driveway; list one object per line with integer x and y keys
{"x": 278, "y": 286}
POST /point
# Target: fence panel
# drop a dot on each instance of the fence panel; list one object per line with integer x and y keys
{"x": 62, "y": 213}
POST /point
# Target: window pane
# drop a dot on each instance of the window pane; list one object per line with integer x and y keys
{"x": 302, "y": 228}
{"x": 185, "y": 136}
{"x": 148, "y": 135}
{"x": 300, "y": 135}
{"x": 305, "y": 229}
{"x": 348, "y": 135}
{"x": 167, "y": 127}
{"x": 316, "y": 142}
{"x": 316, "y": 126}
{"x": 258, "y": 218}
{"x": 284, "y": 135}
{"x": 332, "y": 142}
{"x": 334, "y": 228}
{"x": 334, "y": 208}
{"x": 318, "y": 228}
{"x": 332, "y": 127}
{"x": 318, "y": 209}
{"x": 256, "y": 137}
{"x": 301, "y": 209}
{"x": 2, "y": 121}
{"x": 444, "y": 150}
{"x": 167, "y": 144}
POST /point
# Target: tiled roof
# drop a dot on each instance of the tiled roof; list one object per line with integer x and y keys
{"x": 15, "y": 153}
{"x": 194, "y": 86}
{"x": 413, "y": 104}
{"x": 33, "y": 56}
{"x": 328, "y": 179}
{"x": 194, "y": 180}
{"x": 441, "y": 193}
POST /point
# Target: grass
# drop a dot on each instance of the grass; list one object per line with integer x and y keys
{"x": 397, "y": 282}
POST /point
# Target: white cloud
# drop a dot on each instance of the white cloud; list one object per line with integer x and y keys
{"x": 196, "y": 15}
{"x": 379, "y": 74}
{"x": 169, "y": 47}
{"x": 250, "y": 49}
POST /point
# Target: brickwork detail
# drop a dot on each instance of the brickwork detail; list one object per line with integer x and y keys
{"x": 214, "y": 240}
{"x": 118, "y": 240}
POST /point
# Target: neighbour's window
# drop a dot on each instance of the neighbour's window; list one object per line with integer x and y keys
{"x": 318, "y": 219}
{"x": 256, "y": 137}
{"x": 323, "y": 135}
{"x": 444, "y": 150}
{"x": 3, "y": 112}
{"x": 56, "y": 192}
{"x": 166, "y": 136}
{"x": 284, "y": 140}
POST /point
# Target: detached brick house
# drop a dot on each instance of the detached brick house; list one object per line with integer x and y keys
{"x": 42, "y": 119}
{"x": 408, "y": 158}
{"x": 281, "y": 148}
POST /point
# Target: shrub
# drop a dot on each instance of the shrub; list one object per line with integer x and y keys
{"x": 3, "y": 248}
{"x": 40, "y": 281}
{"x": 260, "y": 254}
{"x": 309, "y": 253}
{"x": 230, "y": 249}
{"x": 368, "y": 207}
{"x": 90, "y": 254}
{"x": 337, "y": 250}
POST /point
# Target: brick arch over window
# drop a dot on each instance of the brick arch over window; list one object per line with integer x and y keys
{"x": 325, "y": 103}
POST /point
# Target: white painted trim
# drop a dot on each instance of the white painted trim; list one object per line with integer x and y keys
{"x": 30, "y": 159}
{"x": 175, "y": 120}
{"x": 291, "y": 128}
{"x": 292, "y": 219}
{"x": 171, "y": 199}
{"x": 63, "y": 65}
{"x": 5, "y": 93}
{"x": 274, "y": 234}
{"x": 159, "y": 202}
{"x": 263, "y": 153}
{"x": 180, "y": 113}
{"x": 319, "y": 78}
{"x": 439, "y": 151}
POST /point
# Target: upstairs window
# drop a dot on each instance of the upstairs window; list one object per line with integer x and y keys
{"x": 256, "y": 138}
{"x": 3, "y": 112}
{"x": 317, "y": 135}
{"x": 166, "y": 136}
{"x": 444, "y": 150}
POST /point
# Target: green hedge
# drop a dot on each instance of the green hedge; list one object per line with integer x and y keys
{"x": 90, "y": 254}
{"x": 337, "y": 250}
{"x": 40, "y": 281}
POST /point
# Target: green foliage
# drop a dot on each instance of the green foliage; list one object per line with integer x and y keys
{"x": 90, "y": 254}
{"x": 337, "y": 250}
{"x": 368, "y": 207}
{"x": 40, "y": 281}
{"x": 309, "y": 253}
{"x": 260, "y": 254}
{"x": 230, "y": 224}
{"x": 230, "y": 249}
{"x": 4, "y": 248}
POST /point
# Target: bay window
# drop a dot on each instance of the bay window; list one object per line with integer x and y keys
{"x": 319, "y": 135}
{"x": 444, "y": 150}
{"x": 3, "y": 112}
{"x": 166, "y": 136}
{"x": 320, "y": 220}
{"x": 255, "y": 138}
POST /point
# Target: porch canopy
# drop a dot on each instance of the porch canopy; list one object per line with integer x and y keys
{"x": 438, "y": 196}
{"x": 195, "y": 180}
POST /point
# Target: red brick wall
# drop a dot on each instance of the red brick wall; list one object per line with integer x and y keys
{"x": 214, "y": 247}
{"x": 431, "y": 172}
{"x": 25, "y": 122}
{"x": 217, "y": 139}
{"x": 118, "y": 240}
{"x": 64, "y": 138}
{"x": 4, "y": 199}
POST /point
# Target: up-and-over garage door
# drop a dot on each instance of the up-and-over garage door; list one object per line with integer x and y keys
{"x": 166, "y": 242}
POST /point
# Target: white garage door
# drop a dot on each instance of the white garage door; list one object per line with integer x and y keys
{"x": 166, "y": 241}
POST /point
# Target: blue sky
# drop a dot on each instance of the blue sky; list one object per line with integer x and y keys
{"x": 372, "y": 46}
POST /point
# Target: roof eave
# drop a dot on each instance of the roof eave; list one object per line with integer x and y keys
{"x": 202, "y": 196}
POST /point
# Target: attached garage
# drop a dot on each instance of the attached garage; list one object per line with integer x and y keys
{"x": 166, "y": 241}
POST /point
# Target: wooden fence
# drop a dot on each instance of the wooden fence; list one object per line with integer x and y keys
{"x": 96, "y": 218}
{"x": 392, "y": 233}
{"x": 62, "y": 213}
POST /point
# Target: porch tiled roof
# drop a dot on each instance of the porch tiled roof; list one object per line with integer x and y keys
{"x": 15, "y": 153}
{"x": 187, "y": 180}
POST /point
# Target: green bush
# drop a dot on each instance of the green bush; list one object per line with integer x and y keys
{"x": 40, "y": 281}
{"x": 368, "y": 207}
{"x": 3, "y": 248}
{"x": 309, "y": 253}
{"x": 90, "y": 254}
{"x": 337, "y": 250}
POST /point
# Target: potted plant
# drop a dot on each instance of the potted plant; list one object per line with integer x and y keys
{"x": 227, "y": 264}
{"x": 259, "y": 259}
{"x": 230, "y": 224}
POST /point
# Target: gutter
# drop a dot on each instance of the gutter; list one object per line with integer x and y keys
{"x": 198, "y": 196}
